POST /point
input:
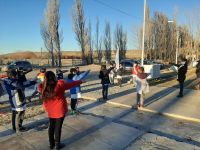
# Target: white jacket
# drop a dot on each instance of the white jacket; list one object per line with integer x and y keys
{"x": 142, "y": 86}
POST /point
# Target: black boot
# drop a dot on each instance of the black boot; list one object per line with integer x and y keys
{"x": 59, "y": 146}
{"x": 51, "y": 146}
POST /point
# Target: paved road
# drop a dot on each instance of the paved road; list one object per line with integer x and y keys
{"x": 113, "y": 125}
{"x": 102, "y": 126}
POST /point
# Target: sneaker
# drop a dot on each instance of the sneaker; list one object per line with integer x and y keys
{"x": 72, "y": 112}
{"x": 77, "y": 112}
{"x": 23, "y": 129}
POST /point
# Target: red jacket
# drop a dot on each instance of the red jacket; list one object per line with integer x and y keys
{"x": 56, "y": 107}
{"x": 135, "y": 70}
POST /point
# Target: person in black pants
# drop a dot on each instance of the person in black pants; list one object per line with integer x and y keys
{"x": 198, "y": 72}
{"x": 105, "y": 81}
{"x": 181, "y": 75}
{"x": 55, "y": 126}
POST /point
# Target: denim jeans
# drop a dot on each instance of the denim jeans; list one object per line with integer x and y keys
{"x": 105, "y": 91}
{"x": 181, "y": 84}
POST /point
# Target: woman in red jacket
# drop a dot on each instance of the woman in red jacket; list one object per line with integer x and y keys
{"x": 52, "y": 94}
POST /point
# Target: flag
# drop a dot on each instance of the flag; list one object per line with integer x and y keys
{"x": 117, "y": 59}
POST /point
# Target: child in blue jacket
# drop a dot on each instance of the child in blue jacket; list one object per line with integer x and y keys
{"x": 15, "y": 89}
{"x": 76, "y": 91}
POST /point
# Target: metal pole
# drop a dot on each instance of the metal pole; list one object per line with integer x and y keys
{"x": 143, "y": 35}
{"x": 177, "y": 40}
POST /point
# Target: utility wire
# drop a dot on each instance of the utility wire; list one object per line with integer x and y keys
{"x": 117, "y": 9}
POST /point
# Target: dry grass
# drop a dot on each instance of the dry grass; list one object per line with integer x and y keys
{"x": 65, "y": 54}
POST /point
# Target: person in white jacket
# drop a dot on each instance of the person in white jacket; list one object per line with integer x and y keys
{"x": 142, "y": 86}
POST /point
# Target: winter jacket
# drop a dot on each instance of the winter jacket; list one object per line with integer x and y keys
{"x": 40, "y": 77}
{"x": 104, "y": 76}
{"x": 142, "y": 85}
{"x": 198, "y": 69}
{"x": 75, "y": 92}
{"x": 15, "y": 90}
{"x": 135, "y": 70}
{"x": 182, "y": 70}
{"x": 56, "y": 107}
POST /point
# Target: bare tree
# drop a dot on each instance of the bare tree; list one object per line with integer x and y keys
{"x": 48, "y": 40}
{"x": 90, "y": 42}
{"x": 107, "y": 41}
{"x": 53, "y": 17}
{"x": 79, "y": 26}
{"x": 148, "y": 32}
{"x": 120, "y": 41}
{"x": 97, "y": 40}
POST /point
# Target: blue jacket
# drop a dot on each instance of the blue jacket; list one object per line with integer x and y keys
{"x": 15, "y": 91}
{"x": 76, "y": 91}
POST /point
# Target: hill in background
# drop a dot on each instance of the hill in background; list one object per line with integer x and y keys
{"x": 130, "y": 54}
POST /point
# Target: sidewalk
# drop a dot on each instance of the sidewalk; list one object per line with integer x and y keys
{"x": 161, "y": 100}
{"x": 112, "y": 125}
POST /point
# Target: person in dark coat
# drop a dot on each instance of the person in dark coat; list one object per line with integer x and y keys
{"x": 181, "y": 75}
{"x": 198, "y": 72}
{"x": 105, "y": 81}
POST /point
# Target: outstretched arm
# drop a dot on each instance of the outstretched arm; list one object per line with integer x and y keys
{"x": 177, "y": 65}
{"x": 70, "y": 85}
{"x": 29, "y": 83}
{"x": 81, "y": 76}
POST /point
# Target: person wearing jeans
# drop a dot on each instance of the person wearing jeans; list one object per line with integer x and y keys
{"x": 75, "y": 92}
{"x": 54, "y": 102}
{"x": 15, "y": 89}
{"x": 105, "y": 91}
{"x": 104, "y": 76}
{"x": 181, "y": 75}
{"x": 142, "y": 86}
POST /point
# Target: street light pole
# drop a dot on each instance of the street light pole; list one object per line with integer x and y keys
{"x": 143, "y": 35}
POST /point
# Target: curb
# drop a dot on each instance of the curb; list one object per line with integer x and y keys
{"x": 190, "y": 119}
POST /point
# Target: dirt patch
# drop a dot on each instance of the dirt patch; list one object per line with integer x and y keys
{"x": 34, "y": 108}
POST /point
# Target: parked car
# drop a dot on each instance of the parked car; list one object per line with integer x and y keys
{"x": 25, "y": 65}
{"x": 128, "y": 65}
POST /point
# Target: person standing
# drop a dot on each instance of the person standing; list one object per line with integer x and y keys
{"x": 52, "y": 94}
{"x": 39, "y": 79}
{"x": 198, "y": 72}
{"x": 112, "y": 73}
{"x": 75, "y": 92}
{"x": 181, "y": 75}
{"x": 104, "y": 76}
{"x": 135, "y": 69}
{"x": 15, "y": 90}
{"x": 142, "y": 86}
{"x": 119, "y": 75}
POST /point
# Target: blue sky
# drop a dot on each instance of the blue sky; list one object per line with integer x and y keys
{"x": 20, "y": 19}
